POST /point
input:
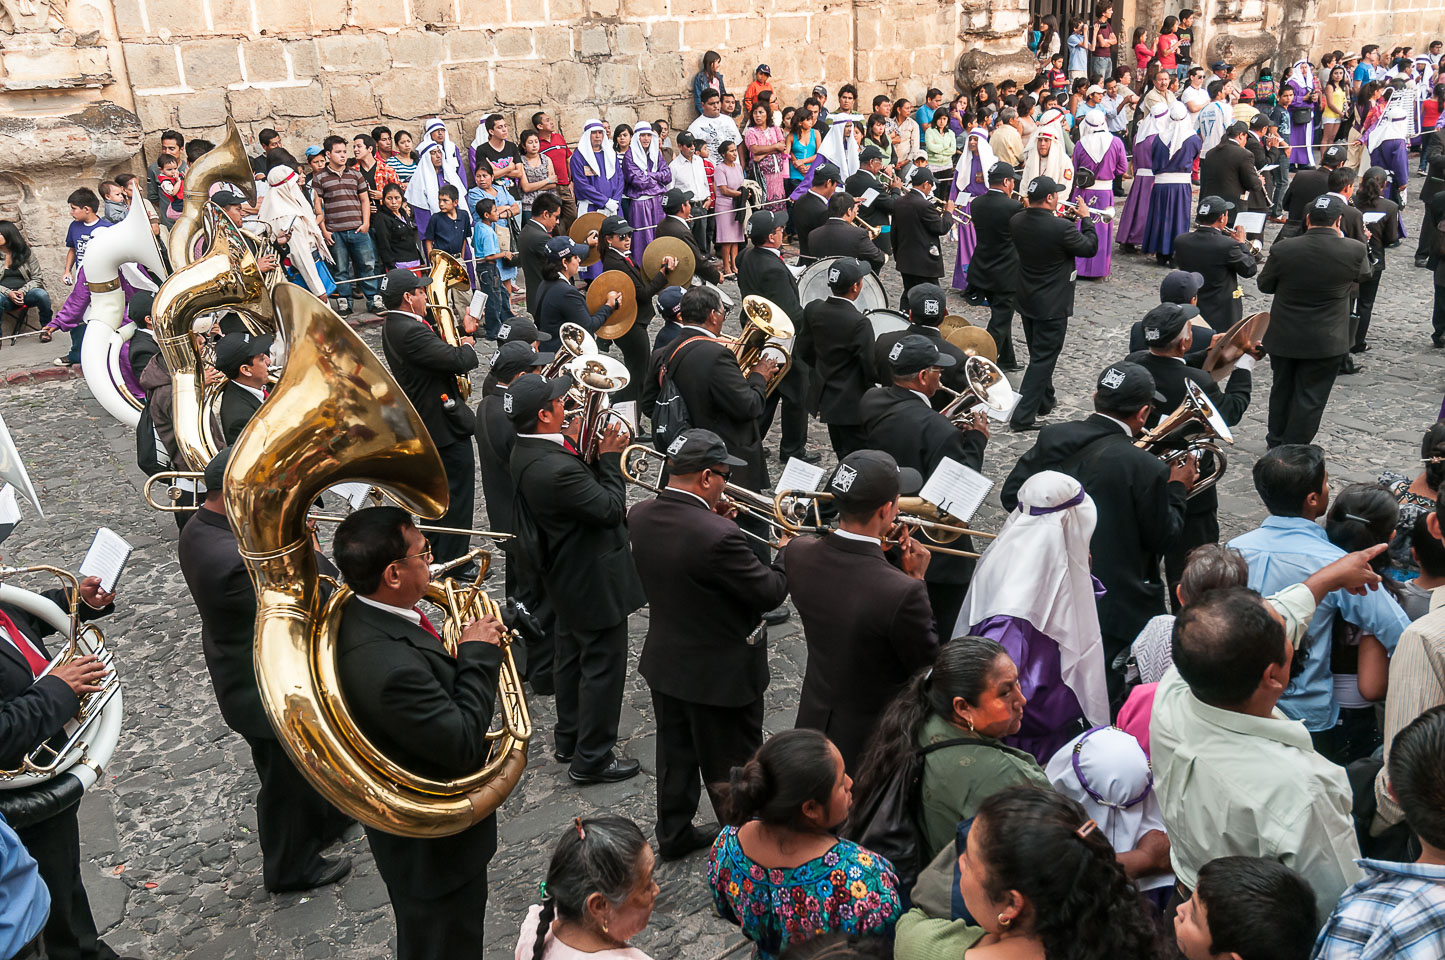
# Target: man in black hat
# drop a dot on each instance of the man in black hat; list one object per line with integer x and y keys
{"x": 810, "y": 211}
{"x": 1047, "y": 245}
{"x": 426, "y": 368}
{"x": 840, "y": 235}
{"x": 1140, "y": 502}
{"x": 918, "y": 232}
{"x": 1312, "y": 278}
{"x": 616, "y": 236}
{"x": 246, "y": 363}
{"x": 705, "y": 658}
{"x": 1305, "y": 187}
{"x": 876, "y": 192}
{"x": 518, "y": 330}
{"x": 1228, "y": 171}
{"x": 762, "y": 273}
{"x": 570, "y": 520}
{"x": 899, "y": 419}
{"x": 927, "y": 306}
{"x": 677, "y": 204}
{"x": 1220, "y": 256}
{"x": 867, "y": 623}
{"x": 835, "y": 340}
{"x": 993, "y": 271}
{"x": 1170, "y": 332}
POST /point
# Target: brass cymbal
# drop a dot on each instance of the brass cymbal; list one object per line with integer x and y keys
{"x": 974, "y": 341}
{"x": 1219, "y": 361}
{"x": 582, "y": 227}
{"x": 624, "y": 314}
{"x": 951, "y": 323}
{"x": 661, "y": 247}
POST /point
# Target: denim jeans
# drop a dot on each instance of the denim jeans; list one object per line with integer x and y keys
{"x": 499, "y": 305}
{"x": 1101, "y": 68}
{"x": 76, "y": 336}
{"x": 36, "y": 298}
{"x": 355, "y": 257}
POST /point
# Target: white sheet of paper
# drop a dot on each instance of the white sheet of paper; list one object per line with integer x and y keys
{"x": 627, "y": 410}
{"x": 1252, "y": 222}
{"x": 868, "y": 197}
{"x": 1374, "y": 216}
{"x": 1268, "y": 167}
{"x": 956, "y": 489}
{"x": 1002, "y": 415}
{"x": 106, "y": 558}
{"x": 799, "y": 475}
{"x": 478, "y": 306}
{"x": 354, "y": 494}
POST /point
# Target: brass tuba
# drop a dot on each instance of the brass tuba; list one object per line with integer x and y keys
{"x": 446, "y": 273}
{"x": 335, "y": 416}
{"x": 764, "y": 324}
{"x": 1191, "y": 431}
{"x": 573, "y": 341}
{"x": 225, "y": 163}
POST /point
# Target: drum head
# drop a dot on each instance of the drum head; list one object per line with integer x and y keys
{"x": 886, "y": 321}
{"x": 813, "y": 285}
{"x": 582, "y": 228}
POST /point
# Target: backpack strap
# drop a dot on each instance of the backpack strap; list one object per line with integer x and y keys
{"x": 957, "y": 742}
{"x": 666, "y": 364}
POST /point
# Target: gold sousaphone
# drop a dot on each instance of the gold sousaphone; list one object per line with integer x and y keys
{"x": 662, "y": 247}
{"x": 582, "y": 228}
{"x": 624, "y": 314}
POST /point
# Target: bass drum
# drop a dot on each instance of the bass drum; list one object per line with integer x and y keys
{"x": 813, "y": 285}
{"x": 886, "y": 321}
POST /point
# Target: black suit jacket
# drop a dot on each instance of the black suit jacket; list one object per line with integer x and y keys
{"x": 646, "y": 288}
{"x": 869, "y": 628}
{"x": 810, "y": 211}
{"x": 1303, "y": 189}
{"x": 531, "y": 251}
{"x": 707, "y": 268}
{"x": 1215, "y": 255}
{"x": 1047, "y": 245}
{"x": 425, "y": 366}
{"x": 994, "y": 266}
{"x": 580, "y": 513}
{"x": 953, "y": 377}
{"x": 706, "y": 593}
{"x": 1228, "y": 171}
{"x": 762, "y": 273}
{"x": 1383, "y": 233}
{"x": 238, "y": 406}
{"x": 559, "y": 301}
{"x": 1311, "y": 277}
{"x": 835, "y": 237}
{"x": 1140, "y": 515}
{"x": 918, "y": 229}
{"x": 880, "y": 210}
{"x": 143, "y": 347}
{"x": 495, "y": 439}
{"x": 836, "y": 342}
{"x": 429, "y": 712}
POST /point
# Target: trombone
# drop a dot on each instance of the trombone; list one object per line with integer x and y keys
{"x": 1095, "y": 216}
{"x": 758, "y": 505}
{"x": 919, "y": 516}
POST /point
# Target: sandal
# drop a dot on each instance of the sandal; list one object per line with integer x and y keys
{"x": 46, "y": 336}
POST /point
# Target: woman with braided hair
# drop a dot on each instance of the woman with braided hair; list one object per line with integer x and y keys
{"x": 599, "y": 893}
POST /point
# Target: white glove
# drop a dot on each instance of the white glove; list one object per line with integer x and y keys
{"x": 612, "y": 207}
{"x": 1245, "y": 362}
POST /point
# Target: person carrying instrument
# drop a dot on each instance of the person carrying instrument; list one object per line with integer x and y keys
{"x": 678, "y": 207}
{"x": 705, "y": 659}
{"x": 246, "y": 363}
{"x": 810, "y": 210}
{"x": 840, "y": 235}
{"x": 1048, "y": 246}
{"x": 1219, "y": 255}
{"x": 1306, "y": 187}
{"x": 867, "y": 623}
{"x": 426, "y": 708}
{"x": 899, "y": 419}
{"x": 570, "y": 518}
{"x": 616, "y": 236}
{"x": 918, "y": 232}
{"x": 926, "y": 309}
{"x": 1140, "y": 502}
{"x": 993, "y": 271}
{"x": 836, "y": 341}
{"x": 876, "y": 195}
{"x": 1169, "y": 331}
{"x": 559, "y": 301}
{"x": 294, "y": 824}
{"x": 1228, "y": 171}
{"x": 427, "y": 369}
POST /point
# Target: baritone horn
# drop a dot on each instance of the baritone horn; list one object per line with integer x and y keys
{"x": 448, "y": 273}
{"x": 987, "y": 387}
{"x": 573, "y": 341}
{"x": 766, "y": 332}
{"x": 595, "y": 379}
{"x": 1190, "y": 432}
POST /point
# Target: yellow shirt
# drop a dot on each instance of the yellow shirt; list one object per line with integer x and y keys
{"x": 1332, "y": 104}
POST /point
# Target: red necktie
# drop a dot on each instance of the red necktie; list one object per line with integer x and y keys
{"x": 426, "y": 625}
{"x": 32, "y": 656}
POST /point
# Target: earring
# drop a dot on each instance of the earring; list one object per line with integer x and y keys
{"x": 969, "y": 721}
{"x": 1005, "y": 922}
{"x": 604, "y": 926}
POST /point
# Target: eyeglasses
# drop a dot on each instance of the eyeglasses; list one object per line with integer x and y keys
{"x": 725, "y": 474}
{"x": 411, "y": 556}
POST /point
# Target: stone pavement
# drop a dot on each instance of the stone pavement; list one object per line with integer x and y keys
{"x": 170, "y": 853}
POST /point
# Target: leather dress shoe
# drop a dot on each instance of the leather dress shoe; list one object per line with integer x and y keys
{"x": 561, "y": 757}
{"x": 618, "y": 770}
{"x": 802, "y": 455}
{"x": 333, "y": 871}
{"x": 1019, "y": 427}
{"x": 467, "y": 573}
{"x": 777, "y": 615}
{"x": 697, "y": 838}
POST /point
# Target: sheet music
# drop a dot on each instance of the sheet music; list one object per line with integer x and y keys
{"x": 1251, "y": 222}
{"x": 799, "y": 475}
{"x": 355, "y": 494}
{"x": 1268, "y": 167}
{"x": 477, "y": 306}
{"x": 627, "y": 410}
{"x": 106, "y": 558}
{"x": 956, "y": 489}
{"x": 868, "y": 197}
{"x": 1374, "y": 216}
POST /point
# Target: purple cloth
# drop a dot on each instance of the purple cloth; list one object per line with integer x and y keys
{"x": 645, "y": 188}
{"x": 1052, "y": 716}
{"x": 131, "y": 383}
{"x": 1115, "y": 164}
{"x": 594, "y": 190}
{"x": 1302, "y": 135}
{"x": 1170, "y": 204}
{"x": 1129, "y": 227}
{"x": 967, "y": 238}
{"x": 72, "y": 312}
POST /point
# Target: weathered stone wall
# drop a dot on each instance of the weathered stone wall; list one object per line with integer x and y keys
{"x": 1349, "y": 24}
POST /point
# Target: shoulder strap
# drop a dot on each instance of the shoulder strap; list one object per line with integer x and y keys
{"x": 666, "y": 364}
{"x": 958, "y": 742}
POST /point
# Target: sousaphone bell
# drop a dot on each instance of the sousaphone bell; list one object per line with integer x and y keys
{"x": 624, "y": 314}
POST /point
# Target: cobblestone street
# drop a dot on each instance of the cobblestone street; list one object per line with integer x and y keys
{"x": 170, "y": 852}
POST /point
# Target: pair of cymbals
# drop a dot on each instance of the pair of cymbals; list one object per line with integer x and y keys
{"x": 582, "y": 228}
{"x": 1236, "y": 342}
{"x": 624, "y": 314}
{"x": 663, "y": 247}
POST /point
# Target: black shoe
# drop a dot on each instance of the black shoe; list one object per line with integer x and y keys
{"x": 1437, "y": 342}
{"x": 467, "y": 573}
{"x": 1129, "y": 247}
{"x": 1013, "y": 366}
{"x": 697, "y": 838}
{"x": 1348, "y": 365}
{"x": 1422, "y": 261}
{"x": 618, "y": 770}
{"x": 802, "y": 455}
{"x": 561, "y": 757}
{"x": 1021, "y": 427}
{"x": 776, "y": 616}
{"x": 332, "y": 872}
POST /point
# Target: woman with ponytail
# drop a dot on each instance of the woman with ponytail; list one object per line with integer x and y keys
{"x": 599, "y": 893}
{"x": 777, "y": 870}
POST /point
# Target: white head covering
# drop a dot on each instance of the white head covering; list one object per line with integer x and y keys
{"x": 284, "y": 209}
{"x": 1303, "y": 73}
{"x": 480, "y": 137}
{"x": 1056, "y": 165}
{"x": 1094, "y": 135}
{"x": 1177, "y": 129}
{"x": 648, "y": 160}
{"x": 1154, "y": 123}
{"x": 1106, "y": 771}
{"x": 986, "y": 159}
{"x": 1037, "y": 570}
{"x": 606, "y": 164}
{"x": 425, "y": 184}
{"x": 840, "y": 149}
{"x": 1394, "y": 121}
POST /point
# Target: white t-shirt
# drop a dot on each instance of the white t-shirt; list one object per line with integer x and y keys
{"x": 716, "y": 131}
{"x": 1194, "y": 98}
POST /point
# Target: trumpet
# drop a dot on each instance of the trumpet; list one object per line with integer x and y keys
{"x": 1198, "y": 412}
{"x": 873, "y": 231}
{"x": 915, "y": 514}
{"x": 635, "y": 464}
{"x": 1095, "y": 216}
{"x": 960, "y": 215}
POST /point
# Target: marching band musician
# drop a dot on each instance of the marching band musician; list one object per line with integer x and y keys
{"x": 810, "y": 210}
{"x": 33, "y": 711}
{"x": 926, "y": 310}
{"x": 616, "y": 237}
{"x": 246, "y": 363}
{"x": 570, "y": 519}
{"x": 899, "y": 419}
{"x": 918, "y": 231}
{"x": 876, "y": 211}
{"x": 294, "y": 823}
{"x": 1048, "y": 246}
{"x": 426, "y": 708}
{"x": 559, "y": 301}
{"x": 867, "y": 623}
{"x": 705, "y": 659}
{"x": 678, "y": 207}
{"x": 1228, "y": 171}
{"x": 993, "y": 271}
{"x": 840, "y": 235}
{"x": 426, "y": 367}
{"x": 1220, "y": 256}
{"x": 835, "y": 340}
{"x": 1306, "y": 186}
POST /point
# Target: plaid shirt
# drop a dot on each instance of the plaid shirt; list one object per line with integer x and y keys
{"x": 1397, "y": 911}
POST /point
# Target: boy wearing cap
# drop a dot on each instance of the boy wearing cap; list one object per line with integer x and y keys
{"x": 1140, "y": 502}
{"x": 669, "y": 309}
{"x": 1220, "y": 256}
{"x": 867, "y": 623}
{"x": 245, "y": 360}
{"x": 836, "y": 341}
{"x": 840, "y": 235}
{"x": 875, "y": 197}
{"x": 616, "y": 238}
{"x": 810, "y": 210}
{"x": 678, "y": 205}
{"x": 918, "y": 231}
{"x": 705, "y": 658}
{"x": 762, "y": 273}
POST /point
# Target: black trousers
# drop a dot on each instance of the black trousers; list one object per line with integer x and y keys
{"x": 1437, "y": 318}
{"x": 1001, "y": 326}
{"x": 535, "y": 658}
{"x": 294, "y": 822}
{"x": 946, "y": 599}
{"x": 1365, "y": 309}
{"x": 589, "y": 673}
{"x": 696, "y": 740}
{"x": 1045, "y": 340}
{"x": 1199, "y": 528}
{"x": 635, "y": 352}
{"x": 1298, "y": 397}
{"x": 461, "y": 470}
{"x": 70, "y": 932}
{"x": 1428, "y": 226}
{"x": 847, "y": 437}
{"x": 442, "y": 927}
{"x": 699, "y": 231}
{"x": 911, "y": 280}
{"x": 187, "y": 500}
{"x": 794, "y": 425}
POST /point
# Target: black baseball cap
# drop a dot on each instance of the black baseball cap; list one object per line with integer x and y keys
{"x": 516, "y": 357}
{"x": 676, "y": 198}
{"x": 867, "y": 479}
{"x": 1218, "y": 65}
{"x": 560, "y": 248}
{"x": 529, "y": 393}
{"x": 237, "y": 349}
{"x": 1258, "y": 122}
{"x": 1212, "y": 206}
{"x": 615, "y": 226}
{"x": 1334, "y": 155}
{"x": 1180, "y": 286}
{"x": 1040, "y": 187}
{"x": 670, "y": 300}
{"x": 1164, "y": 322}
{"x": 1127, "y": 386}
{"x": 227, "y": 198}
{"x": 1236, "y": 128}
{"x": 521, "y": 328}
{"x": 696, "y": 449}
{"x": 400, "y": 280}
{"x": 140, "y": 305}
{"x": 215, "y": 474}
{"x": 764, "y": 69}
{"x": 1325, "y": 209}
{"x": 927, "y": 304}
{"x": 921, "y": 175}
{"x": 845, "y": 272}
{"x": 824, "y": 172}
{"x": 1001, "y": 171}
{"x": 765, "y": 222}
{"x": 870, "y": 152}
{"x": 916, "y": 353}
